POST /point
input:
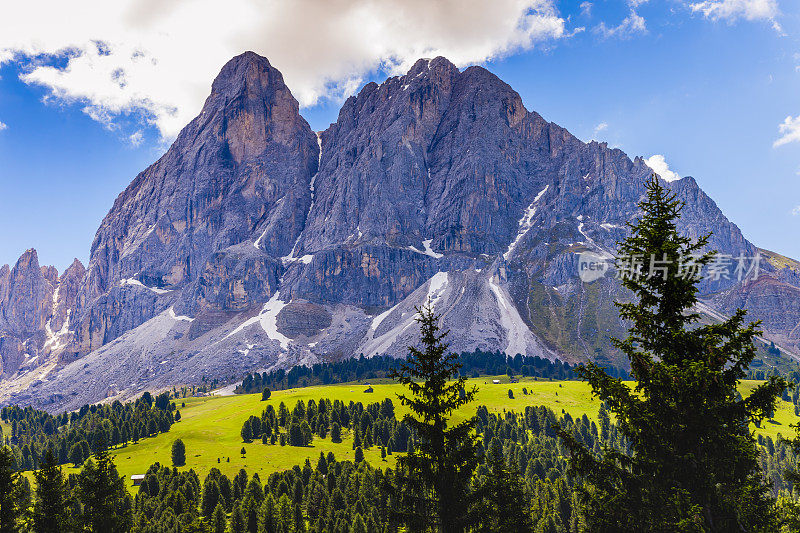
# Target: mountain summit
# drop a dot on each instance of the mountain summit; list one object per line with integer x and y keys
{"x": 255, "y": 243}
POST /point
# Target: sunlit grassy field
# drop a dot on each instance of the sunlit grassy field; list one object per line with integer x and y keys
{"x": 210, "y": 426}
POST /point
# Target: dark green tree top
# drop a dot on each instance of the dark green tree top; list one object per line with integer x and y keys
{"x": 50, "y": 509}
{"x": 178, "y": 453}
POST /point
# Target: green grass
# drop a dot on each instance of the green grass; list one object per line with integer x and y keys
{"x": 210, "y": 426}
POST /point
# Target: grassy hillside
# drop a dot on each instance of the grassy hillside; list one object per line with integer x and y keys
{"x": 210, "y": 426}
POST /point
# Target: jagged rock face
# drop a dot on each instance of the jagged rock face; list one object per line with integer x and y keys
{"x": 35, "y": 309}
{"x": 28, "y": 288}
{"x": 239, "y": 172}
{"x": 248, "y": 245}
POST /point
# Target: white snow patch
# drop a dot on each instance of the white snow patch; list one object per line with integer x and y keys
{"x": 609, "y": 227}
{"x": 55, "y": 340}
{"x": 268, "y": 319}
{"x": 380, "y": 318}
{"x": 525, "y": 223}
{"x": 510, "y": 319}
{"x": 173, "y": 316}
{"x": 257, "y": 243}
{"x": 436, "y": 287}
{"x": 137, "y": 283}
{"x": 427, "y": 251}
{"x": 603, "y": 253}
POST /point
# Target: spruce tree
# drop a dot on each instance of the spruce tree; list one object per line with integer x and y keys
{"x": 178, "y": 453}
{"x": 106, "y": 504}
{"x": 9, "y": 492}
{"x": 436, "y": 492}
{"x": 211, "y": 498}
{"x": 693, "y": 462}
{"x": 237, "y": 522}
{"x": 50, "y": 509}
{"x": 503, "y": 506}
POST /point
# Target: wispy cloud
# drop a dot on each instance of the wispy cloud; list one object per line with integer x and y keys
{"x": 158, "y": 59}
{"x": 789, "y": 130}
{"x": 631, "y": 25}
{"x": 659, "y": 165}
{"x": 796, "y": 211}
{"x": 136, "y": 139}
{"x": 603, "y": 126}
{"x": 3, "y": 126}
{"x": 732, "y": 10}
{"x": 586, "y": 9}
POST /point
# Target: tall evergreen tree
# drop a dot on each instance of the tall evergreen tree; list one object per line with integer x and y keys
{"x": 107, "y": 506}
{"x": 178, "y": 453}
{"x": 437, "y": 492}
{"x": 50, "y": 509}
{"x": 503, "y": 506}
{"x": 693, "y": 465}
{"x": 237, "y": 522}
{"x": 9, "y": 492}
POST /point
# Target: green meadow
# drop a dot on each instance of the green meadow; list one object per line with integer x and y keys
{"x": 209, "y": 426}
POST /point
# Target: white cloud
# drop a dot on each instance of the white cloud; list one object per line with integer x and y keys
{"x": 732, "y": 10}
{"x": 158, "y": 57}
{"x": 660, "y": 167}
{"x": 3, "y": 126}
{"x": 586, "y": 9}
{"x": 790, "y": 131}
{"x": 603, "y": 126}
{"x": 630, "y": 26}
{"x": 136, "y": 138}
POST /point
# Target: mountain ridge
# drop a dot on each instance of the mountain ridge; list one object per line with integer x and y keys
{"x": 254, "y": 242}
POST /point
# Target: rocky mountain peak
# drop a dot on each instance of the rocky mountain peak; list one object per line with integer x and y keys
{"x": 250, "y": 107}
{"x": 237, "y": 179}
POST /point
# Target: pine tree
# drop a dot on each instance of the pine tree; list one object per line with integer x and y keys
{"x": 503, "y": 506}
{"x": 107, "y": 506}
{"x": 247, "y": 433}
{"x": 178, "y": 453}
{"x": 237, "y": 522}
{"x": 693, "y": 464}
{"x": 210, "y": 497}
{"x": 9, "y": 492}
{"x": 50, "y": 510}
{"x": 359, "y": 526}
{"x": 267, "y": 515}
{"x": 436, "y": 492}
{"x": 218, "y": 519}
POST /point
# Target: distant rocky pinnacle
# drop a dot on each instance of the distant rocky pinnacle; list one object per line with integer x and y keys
{"x": 254, "y": 243}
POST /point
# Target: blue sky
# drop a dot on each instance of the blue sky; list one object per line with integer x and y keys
{"x": 705, "y": 84}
